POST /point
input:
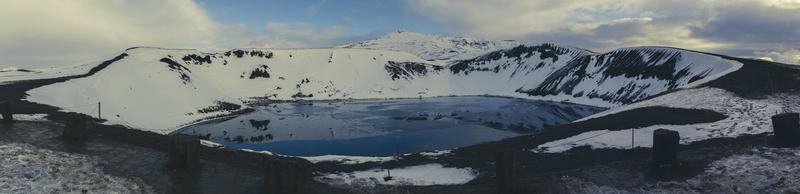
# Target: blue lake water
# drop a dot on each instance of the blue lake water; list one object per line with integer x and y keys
{"x": 385, "y": 127}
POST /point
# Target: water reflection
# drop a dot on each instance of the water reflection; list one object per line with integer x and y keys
{"x": 385, "y": 127}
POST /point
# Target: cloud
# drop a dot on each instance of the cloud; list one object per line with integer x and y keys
{"x": 300, "y": 35}
{"x": 708, "y": 25}
{"x": 313, "y": 9}
{"x": 752, "y": 24}
{"x": 47, "y": 33}
{"x": 53, "y": 32}
{"x": 789, "y": 56}
{"x": 501, "y": 18}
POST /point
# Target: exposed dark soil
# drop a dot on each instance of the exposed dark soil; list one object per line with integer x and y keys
{"x": 759, "y": 78}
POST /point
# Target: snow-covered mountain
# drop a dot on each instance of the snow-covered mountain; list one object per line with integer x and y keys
{"x": 436, "y": 49}
{"x": 561, "y": 73}
{"x": 161, "y": 89}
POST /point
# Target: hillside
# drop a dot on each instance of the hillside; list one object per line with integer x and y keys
{"x": 135, "y": 87}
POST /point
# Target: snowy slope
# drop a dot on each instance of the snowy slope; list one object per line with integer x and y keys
{"x": 11, "y": 74}
{"x": 436, "y": 49}
{"x": 745, "y": 117}
{"x": 162, "y": 89}
{"x": 14, "y": 73}
{"x": 559, "y": 73}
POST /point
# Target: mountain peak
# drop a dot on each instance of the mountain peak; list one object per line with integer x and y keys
{"x": 431, "y": 47}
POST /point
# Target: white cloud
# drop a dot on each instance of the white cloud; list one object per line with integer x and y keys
{"x": 299, "y": 35}
{"x": 313, "y": 9}
{"x": 786, "y": 4}
{"x": 789, "y": 56}
{"x": 55, "y": 32}
{"x": 502, "y": 18}
{"x": 599, "y": 24}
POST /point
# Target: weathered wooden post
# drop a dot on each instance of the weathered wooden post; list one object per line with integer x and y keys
{"x": 388, "y": 176}
{"x": 786, "y": 127}
{"x": 75, "y": 128}
{"x": 665, "y": 147}
{"x": 183, "y": 152}
{"x": 5, "y": 110}
{"x": 286, "y": 176}
{"x": 504, "y": 169}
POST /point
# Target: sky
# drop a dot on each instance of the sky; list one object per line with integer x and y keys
{"x": 53, "y": 32}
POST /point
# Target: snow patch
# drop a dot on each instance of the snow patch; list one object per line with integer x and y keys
{"x": 436, "y": 153}
{"x": 210, "y": 144}
{"x": 27, "y": 169}
{"x": 30, "y": 117}
{"x": 259, "y": 152}
{"x": 745, "y": 117}
{"x": 762, "y": 170}
{"x": 421, "y": 175}
{"x": 347, "y": 159}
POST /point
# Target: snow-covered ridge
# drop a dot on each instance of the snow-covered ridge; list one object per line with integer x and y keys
{"x": 436, "y": 49}
{"x": 161, "y": 89}
{"x": 610, "y": 79}
{"x": 11, "y": 74}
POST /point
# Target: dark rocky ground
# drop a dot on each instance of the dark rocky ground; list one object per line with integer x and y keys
{"x": 539, "y": 172}
{"x": 218, "y": 173}
{"x": 137, "y": 154}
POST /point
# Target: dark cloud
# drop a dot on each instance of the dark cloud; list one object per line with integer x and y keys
{"x": 732, "y": 27}
{"x": 752, "y": 24}
{"x": 627, "y": 32}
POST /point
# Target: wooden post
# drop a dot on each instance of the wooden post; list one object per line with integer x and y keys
{"x": 388, "y": 176}
{"x": 5, "y": 111}
{"x": 75, "y": 128}
{"x": 632, "y": 140}
{"x": 284, "y": 176}
{"x": 665, "y": 147}
{"x": 786, "y": 127}
{"x": 505, "y": 169}
{"x": 99, "y": 113}
{"x": 183, "y": 152}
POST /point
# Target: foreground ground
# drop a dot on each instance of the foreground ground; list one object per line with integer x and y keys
{"x": 36, "y": 160}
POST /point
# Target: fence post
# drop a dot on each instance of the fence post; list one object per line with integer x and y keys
{"x": 285, "y": 176}
{"x": 665, "y": 147}
{"x": 183, "y": 152}
{"x": 75, "y": 128}
{"x": 5, "y": 111}
{"x": 504, "y": 170}
{"x": 786, "y": 127}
